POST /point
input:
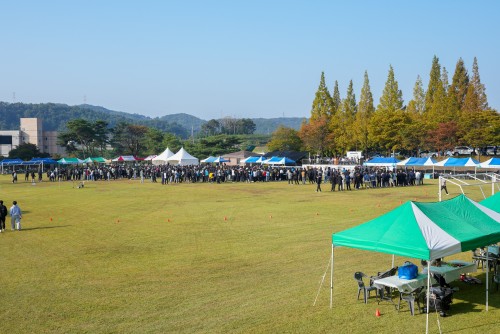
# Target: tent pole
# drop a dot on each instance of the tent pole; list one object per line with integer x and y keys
{"x": 428, "y": 295}
{"x": 487, "y": 278}
{"x": 392, "y": 261}
{"x": 439, "y": 185}
{"x": 331, "y": 280}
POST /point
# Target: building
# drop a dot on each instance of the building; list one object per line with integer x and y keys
{"x": 30, "y": 131}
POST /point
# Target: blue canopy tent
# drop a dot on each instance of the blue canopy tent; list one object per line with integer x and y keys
{"x": 254, "y": 160}
{"x": 279, "y": 161}
{"x": 220, "y": 159}
{"x": 210, "y": 159}
{"x": 381, "y": 162}
{"x": 491, "y": 163}
{"x": 458, "y": 162}
{"x": 417, "y": 162}
{"x": 44, "y": 161}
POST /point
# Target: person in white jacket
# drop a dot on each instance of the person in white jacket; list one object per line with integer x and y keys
{"x": 15, "y": 216}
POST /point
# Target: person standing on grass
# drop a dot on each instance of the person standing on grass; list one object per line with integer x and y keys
{"x": 3, "y": 215}
{"x": 319, "y": 179}
{"x": 15, "y": 216}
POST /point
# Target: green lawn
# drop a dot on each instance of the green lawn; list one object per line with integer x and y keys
{"x": 125, "y": 257}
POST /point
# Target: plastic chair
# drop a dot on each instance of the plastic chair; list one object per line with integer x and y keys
{"x": 388, "y": 291}
{"x": 411, "y": 297}
{"x": 358, "y": 276}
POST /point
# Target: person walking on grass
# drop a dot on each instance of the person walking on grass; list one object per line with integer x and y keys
{"x": 443, "y": 186}
{"x": 15, "y": 216}
{"x": 3, "y": 215}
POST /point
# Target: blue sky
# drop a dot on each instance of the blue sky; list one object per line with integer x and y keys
{"x": 249, "y": 59}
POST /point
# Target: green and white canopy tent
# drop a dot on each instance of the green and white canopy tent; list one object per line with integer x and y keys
{"x": 424, "y": 231}
{"x": 492, "y": 202}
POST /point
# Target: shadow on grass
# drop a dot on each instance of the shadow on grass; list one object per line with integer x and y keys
{"x": 473, "y": 327}
{"x": 43, "y": 228}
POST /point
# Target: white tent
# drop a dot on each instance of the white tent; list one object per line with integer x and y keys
{"x": 183, "y": 158}
{"x": 162, "y": 158}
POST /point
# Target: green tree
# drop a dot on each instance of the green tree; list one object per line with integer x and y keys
{"x": 26, "y": 151}
{"x": 130, "y": 139}
{"x": 285, "y": 139}
{"x": 245, "y": 126}
{"x": 342, "y": 123}
{"x": 211, "y": 128}
{"x": 83, "y": 134}
{"x": 153, "y": 141}
{"x": 389, "y": 124}
{"x": 171, "y": 141}
{"x": 392, "y": 97}
{"x": 458, "y": 87}
{"x": 323, "y": 103}
{"x": 479, "y": 88}
{"x": 337, "y": 101}
{"x": 101, "y": 132}
{"x": 364, "y": 115}
{"x": 417, "y": 104}
{"x": 434, "y": 83}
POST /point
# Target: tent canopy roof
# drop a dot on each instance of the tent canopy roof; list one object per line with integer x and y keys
{"x": 182, "y": 157}
{"x": 417, "y": 162}
{"x": 491, "y": 163}
{"x": 492, "y": 202}
{"x": 458, "y": 162}
{"x": 426, "y": 230}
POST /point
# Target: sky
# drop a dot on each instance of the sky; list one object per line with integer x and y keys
{"x": 242, "y": 59}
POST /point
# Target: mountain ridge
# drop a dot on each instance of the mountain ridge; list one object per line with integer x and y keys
{"x": 56, "y": 115}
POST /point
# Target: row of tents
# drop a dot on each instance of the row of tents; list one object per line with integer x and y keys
{"x": 429, "y": 162}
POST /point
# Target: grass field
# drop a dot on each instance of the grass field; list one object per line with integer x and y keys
{"x": 125, "y": 257}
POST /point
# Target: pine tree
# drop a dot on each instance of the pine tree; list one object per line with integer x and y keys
{"x": 392, "y": 98}
{"x": 363, "y": 115}
{"x": 323, "y": 103}
{"x": 434, "y": 83}
{"x": 444, "y": 80}
{"x": 479, "y": 87}
{"x": 417, "y": 104}
{"x": 341, "y": 124}
{"x": 458, "y": 87}
{"x": 336, "y": 97}
{"x": 389, "y": 124}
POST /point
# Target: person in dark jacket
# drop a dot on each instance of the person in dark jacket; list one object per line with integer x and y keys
{"x": 3, "y": 215}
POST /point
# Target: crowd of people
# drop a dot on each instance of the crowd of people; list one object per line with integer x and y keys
{"x": 339, "y": 178}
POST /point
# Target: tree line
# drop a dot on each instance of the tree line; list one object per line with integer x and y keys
{"x": 440, "y": 117}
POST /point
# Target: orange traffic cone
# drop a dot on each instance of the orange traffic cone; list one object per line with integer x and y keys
{"x": 225, "y": 218}
{"x": 377, "y": 313}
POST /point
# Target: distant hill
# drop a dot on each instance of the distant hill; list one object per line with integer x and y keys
{"x": 56, "y": 115}
{"x": 185, "y": 120}
{"x": 269, "y": 125}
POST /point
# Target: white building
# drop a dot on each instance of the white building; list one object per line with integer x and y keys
{"x": 30, "y": 131}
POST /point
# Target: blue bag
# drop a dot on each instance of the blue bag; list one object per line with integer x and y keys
{"x": 408, "y": 271}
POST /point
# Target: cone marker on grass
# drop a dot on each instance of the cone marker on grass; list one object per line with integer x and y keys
{"x": 377, "y": 313}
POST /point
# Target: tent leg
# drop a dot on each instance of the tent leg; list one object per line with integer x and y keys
{"x": 331, "y": 280}
{"x": 487, "y": 277}
{"x": 392, "y": 266}
{"x": 428, "y": 295}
